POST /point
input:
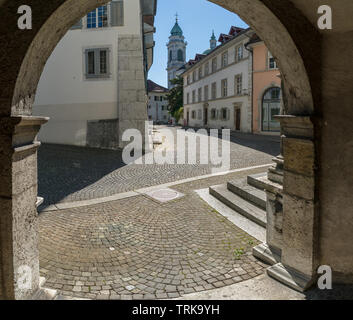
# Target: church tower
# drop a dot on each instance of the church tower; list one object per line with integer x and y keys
{"x": 213, "y": 41}
{"x": 176, "y": 52}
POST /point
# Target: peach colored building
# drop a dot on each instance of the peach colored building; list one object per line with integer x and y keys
{"x": 266, "y": 95}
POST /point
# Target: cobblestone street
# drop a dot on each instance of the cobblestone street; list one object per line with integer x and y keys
{"x": 67, "y": 173}
{"x": 138, "y": 248}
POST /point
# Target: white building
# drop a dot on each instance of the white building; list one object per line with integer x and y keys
{"x": 158, "y": 111}
{"x": 176, "y": 52}
{"x": 217, "y": 84}
{"x": 93, "y": 85}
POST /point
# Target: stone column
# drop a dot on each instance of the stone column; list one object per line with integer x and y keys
{"x": 300, "y": 230}
{"x": 132, "y": 95}
{"x": 19, "y": 259}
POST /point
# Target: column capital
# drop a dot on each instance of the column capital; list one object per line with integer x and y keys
{"x": 296, "y": 126}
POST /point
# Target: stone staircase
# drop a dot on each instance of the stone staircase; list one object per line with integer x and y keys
{"x": 246, "y": 196}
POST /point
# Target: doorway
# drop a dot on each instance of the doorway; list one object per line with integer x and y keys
{"x": 237, "y": 116}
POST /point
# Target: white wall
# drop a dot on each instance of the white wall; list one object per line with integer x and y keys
{"x": 63, "y": 93}
{"x": 155, "y": 107}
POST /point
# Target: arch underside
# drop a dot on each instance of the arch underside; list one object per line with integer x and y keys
{"x": 61, "y": 15}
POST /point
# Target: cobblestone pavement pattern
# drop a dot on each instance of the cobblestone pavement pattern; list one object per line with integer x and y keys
{"x": 67, "y": 174}
{"x": 137, "y": 248}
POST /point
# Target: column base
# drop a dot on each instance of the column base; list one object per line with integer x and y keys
{"x": 291, "y": 278}
{"x": 44, "y": 293}
{"x": 266, "y": 254}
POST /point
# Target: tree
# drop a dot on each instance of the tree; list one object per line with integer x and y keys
{"x": 175, "y": 97}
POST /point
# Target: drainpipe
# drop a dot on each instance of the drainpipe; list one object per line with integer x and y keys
{"x": 252, "y": 84}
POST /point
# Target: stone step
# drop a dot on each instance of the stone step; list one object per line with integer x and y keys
{"x": 241, "y": 188}
{"x": 260, "y": 181}
{"x": 239, "y": 204}
{"x": 275, "y": 175}
{"x": 255, "y": 180}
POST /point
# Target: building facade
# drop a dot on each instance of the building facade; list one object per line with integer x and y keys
{"x": 93, "y": 86}
{"x": 267, "y": 93}
{"x": 218, "y": 84}
{"x": 158, "y": 110}
{"x": 176, "y": 53}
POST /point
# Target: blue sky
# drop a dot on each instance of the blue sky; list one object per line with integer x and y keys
{"x": 197, "y": 18}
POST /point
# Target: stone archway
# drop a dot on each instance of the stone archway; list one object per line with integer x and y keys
{"x": 22, "y": 59}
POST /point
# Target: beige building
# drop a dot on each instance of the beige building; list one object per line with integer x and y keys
{"x": 217, "y": 84}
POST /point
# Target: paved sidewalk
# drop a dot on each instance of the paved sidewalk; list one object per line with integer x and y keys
{"x": 67, "y": 174}
{"x": 138, "y": 248}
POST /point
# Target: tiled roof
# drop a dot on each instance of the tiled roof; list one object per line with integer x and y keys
{"x": 154, "y": 87}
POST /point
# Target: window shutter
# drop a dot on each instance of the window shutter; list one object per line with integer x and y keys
{"x": 117, "y": 13}
{"x": 228, "y": 114}
{"x": 77, "y": 25}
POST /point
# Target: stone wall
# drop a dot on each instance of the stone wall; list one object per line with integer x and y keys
{"x": 132, "y": 95}
{"x": 103, "y": 134}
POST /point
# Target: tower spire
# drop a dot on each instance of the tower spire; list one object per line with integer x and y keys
{"x": 213, "y": 41}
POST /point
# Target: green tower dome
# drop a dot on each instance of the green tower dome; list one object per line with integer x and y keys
{"x": 176, "y": 31}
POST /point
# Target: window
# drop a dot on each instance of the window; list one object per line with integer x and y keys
{"x": 194, "y": 76}
{"x": 188, "y": 98}
{"x": 214, "y": 90}
{"x": 224, "y": 59}
{"x": 193, "y": 96}
{"x": 170, "y": 55}
{"x": 200, "y": 73}
{"x": 224, "y": 84}
{"x": 206, "y": 93}
{"x": 272, "y": 64}
{"x": 199, "y": 95}
{"x": 180, "y": 55}
{"x": 238, "y": 81}
{"x": 214, "y": 64}
{"x": 239, "y": 53}
{"x": 199, "y": 114}
{"x": 98, "y": 18}
{"x": 224, "y": 114}
{"x": 213, "y": 114}
{"x": 188, "y": 79}
{"x": 193, "y": 114}
{"x": 207, "y": 68}
{"x": 97, "y": 63}
{"x": 271, "y": 106}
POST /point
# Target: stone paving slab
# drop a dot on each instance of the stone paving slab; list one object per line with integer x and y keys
{"x": 136, "y": 248}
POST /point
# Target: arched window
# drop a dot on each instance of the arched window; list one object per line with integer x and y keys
{"x": 170, "y": 55}
{"x": 180, "y": 55}
{"x": 271, "y": 106}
